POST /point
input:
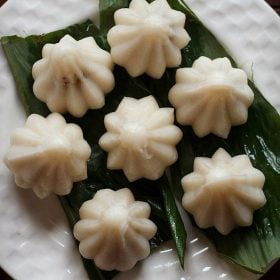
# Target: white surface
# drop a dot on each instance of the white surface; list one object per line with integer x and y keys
{"x": 36, "y": 242}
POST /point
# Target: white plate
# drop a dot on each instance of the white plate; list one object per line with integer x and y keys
{"x": 35, "y": 239}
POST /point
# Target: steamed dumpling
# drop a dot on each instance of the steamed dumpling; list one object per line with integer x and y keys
{"x": 48, "y": 155}
{"x": 73, "y": 76}
{"x": 147, "y": 38}
{"x": 114, "y": 229}
{"x": 223, "y": 191}
{"x": 140, "y": 138}
{"x": 211, "y": 96}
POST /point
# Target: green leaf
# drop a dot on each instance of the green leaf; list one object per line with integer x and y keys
{"x": 253, "y": 247}
{"x": 107, "y": 9}
{"x": 256, "y": 246}
{"x": 175, "y": 221}
{"x": 21, "y": 54}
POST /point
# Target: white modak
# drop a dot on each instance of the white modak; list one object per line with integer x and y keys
{"x": 147, "y": 38}
{"x": 211, "y": 96}
{"x": 48, "y": 155}
{"x": 114, "y": 229}
{"x": 223, "y": 191}
{"x": 140, "y": 138}
{"x": 73, "y": 76}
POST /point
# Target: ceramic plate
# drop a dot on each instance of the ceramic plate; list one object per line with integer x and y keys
{"x": 36, "y": 242}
